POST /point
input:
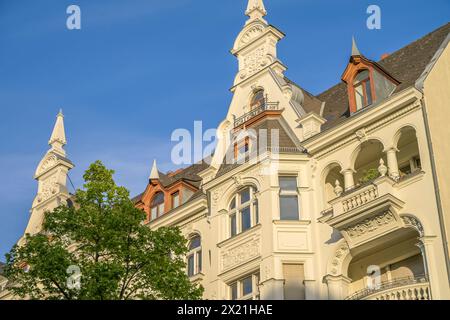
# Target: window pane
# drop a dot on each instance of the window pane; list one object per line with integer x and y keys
{"x": 233, "y": 204}
{"x": 233, "y": 225}
{"x": 288, "y": 183}
{"x": 359, "y": 96}
{"x": 246, "y": 219}
{"x": 199, "y": 261}
{"x": 369, "y": 93}
{"x": 154, "y": 213}
{"x": 191, "y": 265}
{"x": 175, "y": 200}
{"x": 161, "y": 209}
{"x": 289, "y": 208}
{"x": 247, "y": 286}
{"x": 363, "y": 75}
{"x": 245, "y": 196}
{"x": 195, "y": 243}
{"x": 234, "y": 291}
{"x": 158, "y": 199}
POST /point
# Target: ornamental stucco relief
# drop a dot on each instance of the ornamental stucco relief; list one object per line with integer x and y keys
{"x": 238, "y": 255}
{"x": 370, "y": 225}
{"x": 48, "y": 163}
{"x": 251, "y": 34}
{"x": 49, "y": 188}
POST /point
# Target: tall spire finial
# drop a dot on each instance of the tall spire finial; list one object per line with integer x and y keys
{"x": 256, "y": 9}
{"x": 58, "y": 138}
{"x": 154, "y": 174}
{"x": 355, "y": 50}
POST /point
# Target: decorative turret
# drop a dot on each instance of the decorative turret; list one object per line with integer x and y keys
{"x": 355, "y": 50}
{"x": 58, "y": 138}
{"x": 154, "y": 174}
{"x": 51, "y": 175}
{"x": 255, "y": 10}
{"x": 256, "y": 45}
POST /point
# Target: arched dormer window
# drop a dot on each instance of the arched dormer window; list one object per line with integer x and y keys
{"x": 363, "y": 90}
{"x": 367, "y": 82}
{"x": 194, "y": 257}
{"x": 258, "y": 99}
{"x": 243, "y": 211}
{"x": 157, "y": 205}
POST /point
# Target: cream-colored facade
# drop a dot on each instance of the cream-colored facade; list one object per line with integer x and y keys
{"x": 305, "y": 221}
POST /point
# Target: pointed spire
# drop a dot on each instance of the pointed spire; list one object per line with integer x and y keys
{"x": 256, "y": 9}
{"x": 154, "y": 174}
{"x": 355, "y": 50}
{"x": 58, "y": 138}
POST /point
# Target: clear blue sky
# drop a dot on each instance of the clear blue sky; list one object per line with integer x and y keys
{"x": 139, "y": 69}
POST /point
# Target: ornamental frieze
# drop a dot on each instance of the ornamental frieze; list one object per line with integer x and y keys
{"x": 370, "y": 225}
{"x": 240, "y": 254}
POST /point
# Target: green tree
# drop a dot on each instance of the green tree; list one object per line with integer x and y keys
{"x": 103, "y": 235}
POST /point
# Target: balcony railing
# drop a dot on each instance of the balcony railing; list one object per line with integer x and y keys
{"x": 410, "y": 288}
{"x": 265, "y": 106}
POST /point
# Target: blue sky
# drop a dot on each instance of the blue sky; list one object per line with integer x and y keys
{"x": 138, "y": 69}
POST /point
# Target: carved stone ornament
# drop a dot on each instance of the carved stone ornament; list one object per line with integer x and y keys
{"x": 47, "y": 164}
{"x": 362, "y": 135}
{"x": 49, "y": 188}
{"x": 254, "y": 62}
{"x": 338, "y": 258}
{"x": 252, "y": 33}
{"x": 238, "y": 255}
{"x": 412, "y": 222}
{"x": 370, "y": 225}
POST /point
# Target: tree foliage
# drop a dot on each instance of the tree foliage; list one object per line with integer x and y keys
{"x": 104, "y": 236}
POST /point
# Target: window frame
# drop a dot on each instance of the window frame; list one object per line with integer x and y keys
{"x": 364, "y": 84}
{"x": 236, "y": 212}
{"x": 239, "y": 285}
{"x": 159, "y": 211}
{"x": 196, "y": 254}
{"x": 172, "y": 198}
{"x": 283, "y": 193}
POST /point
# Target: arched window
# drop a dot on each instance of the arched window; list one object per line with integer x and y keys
{"x": 257, "y": 99}
{"x": 194, "y": 258}
{"x": 363, "y": 90}
{"x": 243, "y": 213}
{"x": 157, "y": 205}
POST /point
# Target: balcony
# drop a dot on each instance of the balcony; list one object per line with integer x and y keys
{"x": 257, "y": 112}
{"x": 411, "y": 288}
{"x": 366, "y": 213}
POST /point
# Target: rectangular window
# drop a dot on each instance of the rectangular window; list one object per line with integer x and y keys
{"x": 246, "y": 288}
{"x": 289, "y": 208}
{"x": 175, "y": 200}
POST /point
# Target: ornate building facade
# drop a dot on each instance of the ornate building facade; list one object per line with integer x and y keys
{"x": 341, "y": 195}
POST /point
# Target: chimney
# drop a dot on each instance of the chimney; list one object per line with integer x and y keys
{"x": 384, "y": 56}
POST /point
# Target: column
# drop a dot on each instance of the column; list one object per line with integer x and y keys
{"x": 426, "y": 246}
{"x": 337, "y": 287}
{"x": 348, "y": 179}
{"x": 392, "y": 163}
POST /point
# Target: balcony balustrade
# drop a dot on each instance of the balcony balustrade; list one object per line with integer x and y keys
{"x": 410, "y": 288}
{"x": 265, "y": 106}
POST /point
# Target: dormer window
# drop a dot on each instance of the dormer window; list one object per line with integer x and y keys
{"x": 157, "y": 205}
{"x": 367, "y": 82}
{"x": 363, "y": 90}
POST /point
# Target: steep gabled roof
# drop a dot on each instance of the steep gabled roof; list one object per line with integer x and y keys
{"x": 405, "y": 65}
